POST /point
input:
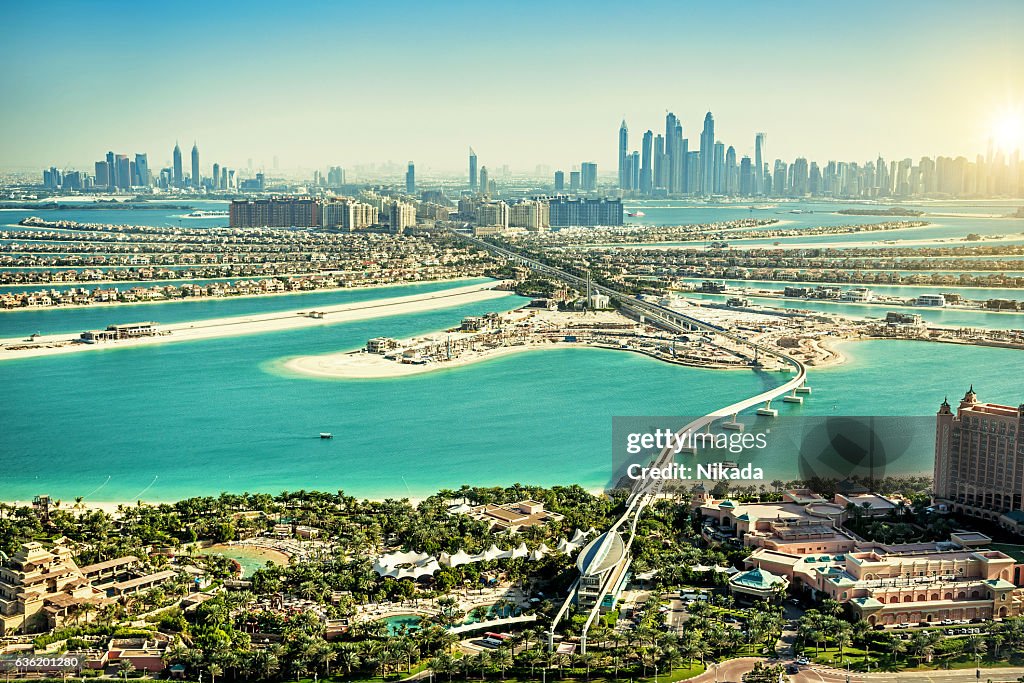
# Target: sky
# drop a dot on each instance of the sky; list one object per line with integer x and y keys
{"x": 526, "y": 83}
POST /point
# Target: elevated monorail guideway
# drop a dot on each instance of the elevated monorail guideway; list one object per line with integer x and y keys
{"x": 603, "y": 561}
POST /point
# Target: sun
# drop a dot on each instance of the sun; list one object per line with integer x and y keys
{"x": 1008, "y": 131}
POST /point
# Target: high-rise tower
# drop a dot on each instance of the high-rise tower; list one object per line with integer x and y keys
{"x": 623, "y": 152}
{"x": 646, "y": 157}
{"x": 672, "y": 152}
{"x": 472, "y": 170}
{"x": 196, "y": 180}
{"x": 179, "y": 176}
{"x": 759, "y": 152}
{"x": 410, "y": 179}
{"x": 707, "y": 156}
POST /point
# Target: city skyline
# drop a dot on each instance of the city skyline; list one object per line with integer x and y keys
{"x": 960, "y": 99}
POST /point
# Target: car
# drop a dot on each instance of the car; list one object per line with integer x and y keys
{"x": 792, "y": 669}
{"x": 803, "y": 661}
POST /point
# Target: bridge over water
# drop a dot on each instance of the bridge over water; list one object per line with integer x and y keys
{"x": 606, "y": 558}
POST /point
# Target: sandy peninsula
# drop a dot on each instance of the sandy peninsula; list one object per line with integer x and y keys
{"x": 362, "y": 365}
{"x": 531, "y": 329}
{"x": 258, "y": 324}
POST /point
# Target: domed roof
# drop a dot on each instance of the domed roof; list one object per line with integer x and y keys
{"x": 601, "y": 554}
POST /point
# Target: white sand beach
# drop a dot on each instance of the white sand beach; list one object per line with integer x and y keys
{"x": 257, "y": 324}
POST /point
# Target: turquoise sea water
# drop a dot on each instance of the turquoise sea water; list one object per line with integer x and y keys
{"x": 201, "y": 417}
{"x": 168, "y": 421}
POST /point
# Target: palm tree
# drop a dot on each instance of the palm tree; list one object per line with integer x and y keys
{"x": 215, "y": 671}
{"x": 126, "y": 668}
{"x": 502, "y": 658}
{"x": 586, "y": 660}
{"x": 443, "y": 664}
{"x": 483, "y": 660}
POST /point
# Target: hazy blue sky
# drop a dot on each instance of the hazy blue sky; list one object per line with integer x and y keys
{"x": 523, "y": 82}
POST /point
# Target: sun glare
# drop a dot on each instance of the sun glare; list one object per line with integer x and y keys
{"x": 1008, "y": 131}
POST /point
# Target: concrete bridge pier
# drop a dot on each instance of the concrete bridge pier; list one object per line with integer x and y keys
{"x": 803, "y": 389}
{"x": 733, "y": 424}
{"x": 793, "y": 398}
{"x": 767, "y": 410}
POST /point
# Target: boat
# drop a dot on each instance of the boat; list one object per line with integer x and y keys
{"x": 326, "y": 435}
{"x": 201, "y": 213}
{"x": 636, "y": 214}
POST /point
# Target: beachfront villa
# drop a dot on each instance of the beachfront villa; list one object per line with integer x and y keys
{"x": 124, "y": 331}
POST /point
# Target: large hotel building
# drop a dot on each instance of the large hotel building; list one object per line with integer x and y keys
{"x": 277, "y": 212}
{"x": 979, "y": 460}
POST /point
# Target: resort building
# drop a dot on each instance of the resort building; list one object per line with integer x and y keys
{"x": 511, "y": 516}
{"x": 123, "y": 331}
{"x": 348, "y": 214}
{"x": 979, "y": 460}
{"x": 758, "y": 584}
{"x": 803, "y": 523}
{"x": 42, "y": 589}
{"x": 276, "y": 212}
{"x": 912, "y": 583}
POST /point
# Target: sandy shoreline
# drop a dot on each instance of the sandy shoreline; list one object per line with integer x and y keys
{"x": 361, "y": 365}
{"x": 270, "y": 322}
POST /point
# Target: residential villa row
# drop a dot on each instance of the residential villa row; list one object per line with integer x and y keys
{"x": 84, "y": 296}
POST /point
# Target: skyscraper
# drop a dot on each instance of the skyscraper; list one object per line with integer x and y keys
{"x": 196, "y": 177}
{"x": 124, "y": 171}
{"x": 671, "y": 153}
{"x": 472, "y": 170}
{"x": 732, "y": 177}
{"x": 215, "y": 179}
{"x": 559, "y": 181}
{"x": 659, "y": 161}
{"x": 485, "y": 183}
{"x": 588, "y": 176}
{"x": 142, "y": 170}
{"x": 111, "y": 171}
{"x": 179, "y": 176}
{"x": 410, "y": 179}
{"x": 646, "y": 172}
{"x": 719, "y": 184}
{"x": 707, "y": 156}
{"x": 746, "y": 178}
{"x": 759, "y": 151}
{"x": 102, "y": 174}
{"x": 978, "y": 457}
{"x": 623, "y": 153}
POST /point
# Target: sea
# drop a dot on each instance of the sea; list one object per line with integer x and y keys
{"x": 168, "y": 421}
